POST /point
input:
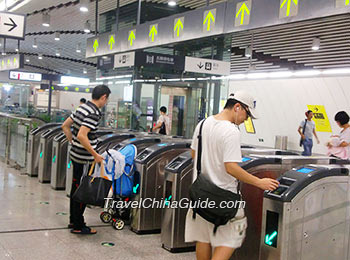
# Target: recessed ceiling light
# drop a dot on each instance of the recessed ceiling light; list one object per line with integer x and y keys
{"x": 46, "y": 20}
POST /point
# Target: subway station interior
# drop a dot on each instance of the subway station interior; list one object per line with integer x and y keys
{"x": 292, "y": 56}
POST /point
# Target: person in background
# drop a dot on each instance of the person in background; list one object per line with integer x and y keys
{"x": 338, "y": 145}
{"x": 221, "y": 155}
{"x": 163, "y": 123}
{"x": 306, "y": 134}
{"x": 8, "y": 103}
{"x": 84, "y": 122}
{"x": 82, "y": 101}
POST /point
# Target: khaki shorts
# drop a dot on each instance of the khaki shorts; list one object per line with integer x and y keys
{"x": 230, "y": 235}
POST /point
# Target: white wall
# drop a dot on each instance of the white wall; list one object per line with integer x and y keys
{"x": 281, "y": 104}
{"x": 71, "y": 100}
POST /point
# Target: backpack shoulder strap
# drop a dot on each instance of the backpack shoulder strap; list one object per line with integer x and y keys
{"x": 199, "y": 152}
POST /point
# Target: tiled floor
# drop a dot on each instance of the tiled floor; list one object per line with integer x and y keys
{"x": 30, "y": 227}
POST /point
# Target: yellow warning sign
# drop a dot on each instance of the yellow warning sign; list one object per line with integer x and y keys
{"x": 320, "y": 118}
{"x": 249, "y": 126}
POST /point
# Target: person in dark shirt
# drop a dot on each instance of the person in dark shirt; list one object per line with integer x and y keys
{"x": 84, "y": 122}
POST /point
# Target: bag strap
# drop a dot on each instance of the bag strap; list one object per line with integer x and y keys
{"x": 102, "y": 171}
{"x": 199, "y": 153}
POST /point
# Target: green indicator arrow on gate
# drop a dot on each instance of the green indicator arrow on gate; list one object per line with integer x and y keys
{"x": 153, "y": 32}
{"x": 95, "y": 45}
{"x": 41, "y": 154}
{"x": 178, "y": 26}
{"x": 66, "y": 88}
{"x": 69, "y": 164}
{"x": 288, "y": 5}
{"x": 268, "y": 239}
{"x": 131, "y": 37}
{"x": 111, "y": 42}
{"x": 54, "y": 159}
{"x": 244, "y": 9}
{"x": 208, "y": 19}
{"x": 135, "y": 188}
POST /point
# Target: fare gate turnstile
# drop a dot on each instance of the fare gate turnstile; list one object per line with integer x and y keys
{"x": 307, "y": 216}
{"x": 106, "y": 139}
{"x": 264, "y": 166}
{"x": 45, "y": 156}
{"x": 59, "y": 162}
{"x": 141, "y": 143}
{"x": 266, "y": 151}
{"x": 33, "y": 148}
{"x": 178, "y": 178}
{"x": 150, "y": 166}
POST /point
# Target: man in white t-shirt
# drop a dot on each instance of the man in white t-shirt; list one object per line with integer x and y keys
{"x": 163, "y": 123}
{"x": 221, "y": 153}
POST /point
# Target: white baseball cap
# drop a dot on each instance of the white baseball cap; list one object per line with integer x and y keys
{"x": 246, "y": 99}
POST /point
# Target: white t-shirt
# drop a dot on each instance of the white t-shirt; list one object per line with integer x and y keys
{"x": 166, "y": 121}
{"x": 220, "y": 144}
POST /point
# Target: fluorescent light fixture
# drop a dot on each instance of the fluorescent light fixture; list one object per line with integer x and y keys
{"x": 248, "y": 52}
{"x": 7, "y": 87}
{"x": 17, "y": 50}
{"x": 114, "y": 77}
{"x": 203, "y": 79}
{"x": 139, "y": 81}
{"x": 280, "y": 74}
{"x": 84, "y": 70}
{"x": 84, "y": 6}
{"x": 46, "y": 20}
{"x": 93, "y": 83}
{"x": 87, "y": 27}
{"x": 75, "y": 80}
{"x": 57, "y": 36}
{"x": 189, "y": 79}
{"x": 316, "y": 44}
{"x": 257, "y": 75}
{"x": 237, "y": 76}
{"x": 336, "y": 71}
{"x": 35, "y": 43}
{"x": 122, "y": 82}
{"x": 307, "y": 73}
{"x": 171, "y": 80}
{"x": 27, "y": 60}
{"x": 78, "y": 50}
{"x": 40, "y": 56}
{"x": 219, "y": 78}
{"x": 172, "y": 2}
{"x": 58, "y": 52}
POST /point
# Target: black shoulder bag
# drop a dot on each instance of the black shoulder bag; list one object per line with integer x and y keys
{"x": 301, "y": 139}
{"x": 162, "y": 129}
{"x": 204, "y": 190}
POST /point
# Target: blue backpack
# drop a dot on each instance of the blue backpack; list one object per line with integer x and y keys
{"x": 123, "y": 186}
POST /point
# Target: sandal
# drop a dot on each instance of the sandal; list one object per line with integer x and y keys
{"x": 84, "y": 231}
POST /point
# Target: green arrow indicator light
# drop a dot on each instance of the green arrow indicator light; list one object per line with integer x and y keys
{"x": 41, "y": 155}
{"x": 52, "y": 88}
{"x": 69, "y": 164}
{"x": 167, "y": 200}
{"x": 210, "y": 17}
{"x": 111, "y": 42}
{"x": 268, "y": 239}
{"x": 244, "y": 9}
{"x": 54, "y": 159}
{"x": 153, "y": 32}
{"x": 95, "y": 46}
{"x": 131, "y": 38}
{"x": 179, "y": 26}
{"x": 289, "y": 5}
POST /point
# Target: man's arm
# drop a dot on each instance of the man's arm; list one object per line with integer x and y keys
{"x": 66, "y": 127}
{"x": 300, "y": 132}
{"x": 84, "y": 140}
{"x": 159, "y": 125}
{"x": 236, "y": 171}
{"x": 318, "y": 140}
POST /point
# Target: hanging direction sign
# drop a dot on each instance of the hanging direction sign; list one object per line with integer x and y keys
{"x": 12, "y": 25}
{"x": 11, "y": 62}
{"x": 223, "y": 18}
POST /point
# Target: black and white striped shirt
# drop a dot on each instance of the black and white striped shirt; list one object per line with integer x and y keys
{"x": 87, "y": 115}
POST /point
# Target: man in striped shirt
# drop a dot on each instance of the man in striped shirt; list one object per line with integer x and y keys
{"x": 84, "y": 122}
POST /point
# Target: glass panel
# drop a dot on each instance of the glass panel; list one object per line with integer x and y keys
{"x": 146, "y": 106}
